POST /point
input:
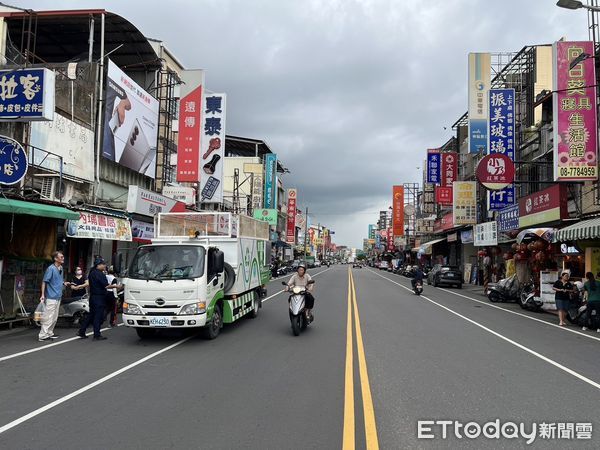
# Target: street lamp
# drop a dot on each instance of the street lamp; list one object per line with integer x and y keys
{"x": 576, "y": 4}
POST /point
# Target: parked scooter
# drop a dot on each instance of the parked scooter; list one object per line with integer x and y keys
{"x": 505, "y": 290}
{"x": 298, "y": 317}
{"x": 528, "y": 298}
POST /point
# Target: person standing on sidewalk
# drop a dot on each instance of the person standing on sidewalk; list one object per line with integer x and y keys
{"x": 52, "y": 288}
{"x": 99, "y": 286}
{"x": 563, "y": 289}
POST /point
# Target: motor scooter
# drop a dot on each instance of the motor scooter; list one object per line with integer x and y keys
{"x": 297, "y": 310}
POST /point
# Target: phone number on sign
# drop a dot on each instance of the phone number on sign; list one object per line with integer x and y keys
{"x": 578, "y": 171}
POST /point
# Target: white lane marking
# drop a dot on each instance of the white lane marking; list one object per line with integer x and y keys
{"x": 570, "y": 330}
{"x": 510, "y": 341}
{"x": 80, "y": 391}
{"x": 283, "y": 290}
{"x": 47, "y": 346}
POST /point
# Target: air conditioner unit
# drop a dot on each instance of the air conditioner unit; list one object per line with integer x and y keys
{"x": 54, "y": 191}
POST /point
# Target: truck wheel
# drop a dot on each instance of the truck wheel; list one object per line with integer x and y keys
{"x": 229, "y": 277}
{"x": 145, "y": 333}
{"x": 212, "y": 329}
{"x": 255, "y": 306}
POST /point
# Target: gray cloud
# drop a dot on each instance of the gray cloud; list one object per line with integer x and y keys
{"x": 348, "y": 93}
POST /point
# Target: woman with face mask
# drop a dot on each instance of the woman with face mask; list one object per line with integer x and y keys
{"x": 78, "y": 284}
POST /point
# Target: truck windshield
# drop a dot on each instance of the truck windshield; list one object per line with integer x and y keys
{"x": 167, "y": 262}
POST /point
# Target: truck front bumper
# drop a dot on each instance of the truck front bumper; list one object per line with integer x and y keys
{"x": 145, "y": 321}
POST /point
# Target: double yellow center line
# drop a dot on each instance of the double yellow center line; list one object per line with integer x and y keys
{"x": 349, "y": 439}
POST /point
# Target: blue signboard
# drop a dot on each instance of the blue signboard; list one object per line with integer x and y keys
{"x": 27, "y": 94}
{"x": 270, "y": 183}
{"x": 508, "y": 218}
{"x": 434, "y": 166}
{"x": 13, "y": 161}
{"x": 502, "y": 139}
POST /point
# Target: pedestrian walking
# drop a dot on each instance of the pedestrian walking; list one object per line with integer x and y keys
{"x": 99, "y": 287}
{"x": 52, "y": 289}
{"x": 563, "y": 289}
{"x": 487, "y": 265}
{"x": 592, "y": 298}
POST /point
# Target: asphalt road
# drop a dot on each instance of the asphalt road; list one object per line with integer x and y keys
{"x": 376, "y": 361}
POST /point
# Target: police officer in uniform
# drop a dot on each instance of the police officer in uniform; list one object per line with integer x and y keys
{"x": 98, "y": 289}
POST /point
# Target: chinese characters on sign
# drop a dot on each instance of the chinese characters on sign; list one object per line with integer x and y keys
{"x": 98, "y": 226}
{"x": 429, "y": 199}
{"x": 449, "y": 168}
{"x": 465, "y": 203}
{"x": 291, "y": 216}
{"x": 574, "y": 112}
{"x": 508, "y": 218}
{"x": 443, "y": 195}
{"x": 213, "y": 148}
{"x": 479, "y": 84}
{"x": 486, "y": 234}
{"x": 271, "y": 180}
{"x": 27, "y": 94}
{"x": 434, "y": 166}
{"x": 398, "y": 211}
{"x": 13, "y": 161}
{"x": 501, "y": 140}
{"x": 543, "y": 206}
{"x": 188, "y": 140}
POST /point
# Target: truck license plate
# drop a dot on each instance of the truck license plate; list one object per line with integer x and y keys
{"x": 160, "y": 322}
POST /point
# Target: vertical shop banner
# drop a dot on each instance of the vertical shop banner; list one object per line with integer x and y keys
{"x": 464, "y": 211}
{"x": 291, "y": 216}
{"x": 372, "y": 228}
{"x": 270, "y": 182}
{"x": 502, "y": 139}
{"x": 429, "y": 199}
{"x": 130, "y": 123}
{"x": 390, "y": 239}
{"x": 188, "y": 140}
{"x": 486, "y": 234}
{"x": 479, "y": 84}
{"x": 398, "y": 211}
{"x": 574, "y": 112}
{"x": 434, "y": 166}
{"x": 449, "y": 168}
{"x": 212, "y": 148}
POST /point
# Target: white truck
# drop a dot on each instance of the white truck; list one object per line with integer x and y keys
{"x": 201, "y": 270}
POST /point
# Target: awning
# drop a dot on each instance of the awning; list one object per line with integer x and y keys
{"x": 102, "y": 210}
{"x": 427, "y": 246}
{"x": 12, "y": 206}
{"x": 534, "y": 233}
{"x": 281, "y": 244}
{"x": 587, "y": 229}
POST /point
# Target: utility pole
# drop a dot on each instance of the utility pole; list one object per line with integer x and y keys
{"x": 305, "y": 233}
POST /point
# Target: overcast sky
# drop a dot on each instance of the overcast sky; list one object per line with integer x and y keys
{"x": 348, "y": 93}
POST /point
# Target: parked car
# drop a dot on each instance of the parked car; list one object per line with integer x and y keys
{"x": 317, "y": 263}
{"x": 384, "y": 265}
{"x": 442, "y": 275}
{"x": 357, "y": 265}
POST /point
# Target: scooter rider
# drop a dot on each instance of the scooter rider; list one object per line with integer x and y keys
{"x": 302, "y": 279}
{"x": 418, "y": 276}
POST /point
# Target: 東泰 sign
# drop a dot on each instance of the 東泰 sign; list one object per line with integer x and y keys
{"x": 496, "y": 171}
{"x": 13, "y": 161}
{"x": 26, "y": 95}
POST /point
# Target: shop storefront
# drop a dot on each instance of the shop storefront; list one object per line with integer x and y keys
{"x": 29, "y": 233}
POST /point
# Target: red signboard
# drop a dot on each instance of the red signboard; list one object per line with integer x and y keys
{"x": 291, "y": 213}
{"x": 390, "y": 239}
{"x": 544, "y": 206}
{"x": 496, "y": 171}
{"x": 398, "y": 211}
{"x": 443, "y": 224}
{"x": 449, "y": 168}
{"x": 443, "y": 195}
{"x": 188, "y": 141}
